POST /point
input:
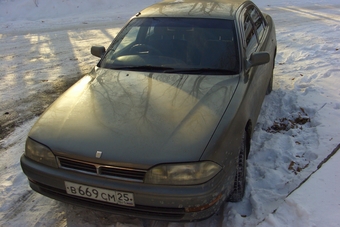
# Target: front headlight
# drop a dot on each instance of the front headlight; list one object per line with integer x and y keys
{"x": 182, "y": 174}
{"x": 40, "y": 153}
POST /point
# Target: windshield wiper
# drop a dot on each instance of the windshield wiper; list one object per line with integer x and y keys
{"x": 203, "y": 71}
{"x": 143, "y": 68}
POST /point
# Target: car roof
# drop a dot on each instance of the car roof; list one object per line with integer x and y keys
{"x": 222, "y": 9}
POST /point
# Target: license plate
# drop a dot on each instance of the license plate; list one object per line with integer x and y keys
{"x": 105, "y": 195}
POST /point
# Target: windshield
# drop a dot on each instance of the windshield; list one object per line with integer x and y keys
{"x": 175, "y": 45}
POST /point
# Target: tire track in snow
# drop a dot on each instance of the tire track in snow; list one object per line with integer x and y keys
{"x": 20, "y": 205}
{"x": 336, "y": 149}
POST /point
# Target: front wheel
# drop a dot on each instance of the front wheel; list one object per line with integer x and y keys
{"x": 240, "y": 177}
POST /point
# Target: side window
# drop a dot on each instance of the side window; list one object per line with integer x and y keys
{"x": 258, "y": 21}
{"x": 129, "y": 38}
{"x": 248, "y": 30}
{"x": 150, "y": 32}
{"x": 249, "y": 33}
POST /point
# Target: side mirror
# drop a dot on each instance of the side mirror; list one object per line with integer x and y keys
{"x": 258, "y": 58}
{"x": 98, "y": 51}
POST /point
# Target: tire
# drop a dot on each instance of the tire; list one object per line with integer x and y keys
{"x": 240, "y": 178}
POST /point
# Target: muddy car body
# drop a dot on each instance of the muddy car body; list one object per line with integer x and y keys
{"x": 161, "y": 127}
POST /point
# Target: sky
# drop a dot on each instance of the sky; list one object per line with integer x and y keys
{"x": 46, "y": 47}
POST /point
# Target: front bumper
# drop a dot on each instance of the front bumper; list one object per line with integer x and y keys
{"x": 157, "y": 202}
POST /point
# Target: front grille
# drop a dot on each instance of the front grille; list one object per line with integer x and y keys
{"x": 134, "y": 174}
{"x": 102, "y": 170}
{"x": 70, "y": 164}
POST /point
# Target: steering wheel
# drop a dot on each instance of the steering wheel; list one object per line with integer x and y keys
{"x": 140, "y": 48}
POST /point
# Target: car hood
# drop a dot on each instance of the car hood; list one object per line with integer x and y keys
{"x": 137, "y": 119}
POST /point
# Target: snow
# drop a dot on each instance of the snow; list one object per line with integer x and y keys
{"x": 45, "y": 48}
{"x": 308, "y": 206}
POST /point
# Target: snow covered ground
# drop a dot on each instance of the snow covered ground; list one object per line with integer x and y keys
{"x": 45, "y": 48}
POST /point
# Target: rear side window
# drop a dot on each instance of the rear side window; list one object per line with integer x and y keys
{"x": 249, "y": 33}
{"x": 258, "y": 21}
{"x": 254, "y": 25}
